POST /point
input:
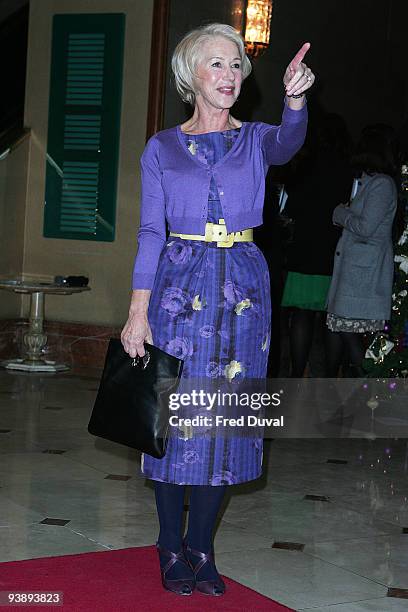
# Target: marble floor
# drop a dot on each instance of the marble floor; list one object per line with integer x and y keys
{"x": 325, "y": 529}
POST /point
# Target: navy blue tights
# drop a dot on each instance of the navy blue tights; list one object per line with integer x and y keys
{"x": 205, "y": 502}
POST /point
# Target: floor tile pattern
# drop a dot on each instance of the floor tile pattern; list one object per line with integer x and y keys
{"x": 324, "y": 529}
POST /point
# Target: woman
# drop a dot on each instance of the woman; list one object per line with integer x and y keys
{"x": 359, "y": 298}
{"x": 203, "y": 295}
{"x": 320, "y": 180}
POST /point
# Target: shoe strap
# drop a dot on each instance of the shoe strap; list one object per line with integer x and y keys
{"x": 174, "y": 557}
{"x": 204, "y": 558}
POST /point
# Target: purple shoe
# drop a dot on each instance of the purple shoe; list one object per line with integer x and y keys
{"x": 208, "y": 587}
{"x": 180, "y": 586}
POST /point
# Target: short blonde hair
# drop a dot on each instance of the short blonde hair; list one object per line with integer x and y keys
{"x": 187, "y": 54}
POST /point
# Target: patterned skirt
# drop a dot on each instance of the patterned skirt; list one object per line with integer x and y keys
{"x": 211, "y": 307}
{"x": 356, "y": 326}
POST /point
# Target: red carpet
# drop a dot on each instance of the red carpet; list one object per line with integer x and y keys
{"x": 120, "y": 581}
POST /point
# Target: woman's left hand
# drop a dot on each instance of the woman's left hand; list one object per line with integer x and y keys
{"x": 298, "y": 77}
{"x": 338, "y": 214}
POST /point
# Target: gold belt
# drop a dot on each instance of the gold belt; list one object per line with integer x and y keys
{"x": 217, "y": 232}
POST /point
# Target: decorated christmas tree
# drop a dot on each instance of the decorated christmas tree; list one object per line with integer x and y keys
{"x": 387, "y": 356}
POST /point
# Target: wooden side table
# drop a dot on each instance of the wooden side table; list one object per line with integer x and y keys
{"x": 35, "y": 339}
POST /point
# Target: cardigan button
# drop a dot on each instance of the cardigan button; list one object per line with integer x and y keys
{"x": 337, "y": 252}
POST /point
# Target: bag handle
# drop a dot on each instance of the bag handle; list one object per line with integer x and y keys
{"x": 143, "y": 361}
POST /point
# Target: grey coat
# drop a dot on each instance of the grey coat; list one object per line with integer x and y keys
{"x": 361, "y": 285}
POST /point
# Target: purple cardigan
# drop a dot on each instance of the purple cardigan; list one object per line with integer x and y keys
{"x": 170, "y": 175}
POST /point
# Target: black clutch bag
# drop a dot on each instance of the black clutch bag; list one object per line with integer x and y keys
{"x": 132, "y": 405}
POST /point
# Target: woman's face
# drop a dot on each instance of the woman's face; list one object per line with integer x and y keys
{"x": 218, "y": 73}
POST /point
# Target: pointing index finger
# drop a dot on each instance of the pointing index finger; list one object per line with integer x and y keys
{"x": 299, "y": 56}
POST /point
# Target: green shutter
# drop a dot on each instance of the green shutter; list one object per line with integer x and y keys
{"x": 84, "y": 126}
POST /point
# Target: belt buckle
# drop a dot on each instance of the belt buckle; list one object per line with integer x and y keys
{"x": 209, "y": 229}
{"x": 227, "y": 243}
{"x": 226, "y": 240}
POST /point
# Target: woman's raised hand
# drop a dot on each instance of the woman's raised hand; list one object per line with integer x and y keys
{"x": 135, "y": 332}
{"x": 298, "y": 76}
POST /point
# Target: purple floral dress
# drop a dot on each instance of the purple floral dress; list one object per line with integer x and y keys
{"x": 211, "y": 307}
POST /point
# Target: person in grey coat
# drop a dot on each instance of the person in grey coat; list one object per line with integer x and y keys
{"x": 359, "y": 298}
